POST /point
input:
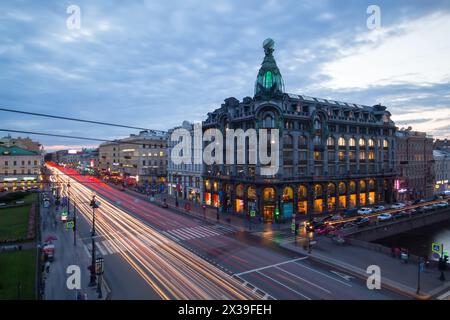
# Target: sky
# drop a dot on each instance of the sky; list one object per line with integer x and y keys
{"x": 153, "y": 64}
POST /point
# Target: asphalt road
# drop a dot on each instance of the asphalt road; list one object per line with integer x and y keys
{"x": 255, "y": 263}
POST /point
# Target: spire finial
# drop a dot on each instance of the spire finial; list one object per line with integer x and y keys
{"x": 268, "y": 45}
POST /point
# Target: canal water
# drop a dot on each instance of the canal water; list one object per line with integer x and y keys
{"x": 419, "y": 241}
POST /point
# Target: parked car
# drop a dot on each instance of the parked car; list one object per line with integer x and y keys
{"x": 384, "y": 217}
{"x": 378, "y": 208}
{"x": 398, "y": 205}
{"x": 364, "y": 211}
{"x": 362, "y": 222}
{"x": 442, "y": 204}
{"x": 418, "y": 201}
{"x": 427, "y": 208}
{"x": 411, "y": 211}
{"x": 401, "y": 214}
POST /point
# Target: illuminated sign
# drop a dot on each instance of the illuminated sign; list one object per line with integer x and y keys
{"x": 10, "y": 179}
{"x": 72, "y": 152}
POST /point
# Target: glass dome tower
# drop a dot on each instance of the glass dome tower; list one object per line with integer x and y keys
{"x": 269, "y": 83}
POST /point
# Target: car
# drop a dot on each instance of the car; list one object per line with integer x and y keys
{"x": 398, "y": 205}
{"x": 325, "y": 230}
{"x": 336, "y": 217}
{"x": 401, "y": 214}
{"x": 364, "y": 211}
{"x": 348, "y": 225}
{"x": 378, "y": 208}
{"x": 326, "y": 218}
{"x": 428, "y": 207}
{"x": 384, "y": 217}
{"x": 362, "y": 222}
{"x": 443, "y": 204}
{"x": 411, "y": 211}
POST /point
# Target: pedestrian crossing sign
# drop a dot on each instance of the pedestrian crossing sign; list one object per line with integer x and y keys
{"x": 436, "y": 247}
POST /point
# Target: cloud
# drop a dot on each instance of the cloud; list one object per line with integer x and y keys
{"x": 413, "y": 52}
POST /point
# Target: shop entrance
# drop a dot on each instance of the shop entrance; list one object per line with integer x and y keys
{"x": 269, "y": 210}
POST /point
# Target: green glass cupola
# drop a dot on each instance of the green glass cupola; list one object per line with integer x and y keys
{"x": 269, "y": 83}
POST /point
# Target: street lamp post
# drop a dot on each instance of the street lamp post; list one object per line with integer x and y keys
{"x": 94, "y": 206}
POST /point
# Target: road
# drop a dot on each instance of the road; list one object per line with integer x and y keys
{"x": 176, "y": 254}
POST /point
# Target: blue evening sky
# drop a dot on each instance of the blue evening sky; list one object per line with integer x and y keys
{"x": 154, "y": 63}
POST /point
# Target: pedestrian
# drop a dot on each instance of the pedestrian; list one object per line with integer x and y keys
{"x": 47, "y": 266}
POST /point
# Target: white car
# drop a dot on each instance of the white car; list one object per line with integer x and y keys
{"x": 443, "y": 204}
{"x": 397, "y": 205}
{"x": 384, "y": 217}
{"x": 378, "y": 208}
{"x": 364, "y": 211}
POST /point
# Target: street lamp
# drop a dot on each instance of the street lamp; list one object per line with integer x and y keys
{"x": 94, "y": 206}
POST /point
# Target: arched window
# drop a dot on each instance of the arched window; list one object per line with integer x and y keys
{"x": 362, "y": 186}
{"x": 371, "y": 143}
{"x": 288, "y": 194}
{"x": 288, "y": 141}
{"x": 240, "y": 191}
{"x": 317, "y": 140}
{"x": 385, "y": 143}
{"x": 342, "y": 188}
{"x": 301, "y": 142}
{"x": 268, "y": 79}
{"x": 302, "y": 192}
{"x": 269, "y": 121}
{"x": 352, "y": 142}
{"x": 341, "y": 142}
{"x": 330, "y": 142}
{"x": 331, "y": 189}
{"x": 362, "y": 142}
{"x": 317, "y": 124}
{"x": 352, "y": 186}
{"x": 371, "y": 184}
{"x": 318, "y": 191}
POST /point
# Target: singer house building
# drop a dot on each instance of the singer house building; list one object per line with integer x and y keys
{"x": 333, "y": 155}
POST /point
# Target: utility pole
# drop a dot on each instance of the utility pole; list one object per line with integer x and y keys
{"x": 418, "y": 274}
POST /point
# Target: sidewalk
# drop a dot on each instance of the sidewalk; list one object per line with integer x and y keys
{"x": 66, "y": 254}
{"x": 209, "y": 214}
{"x": 395, "y": 276}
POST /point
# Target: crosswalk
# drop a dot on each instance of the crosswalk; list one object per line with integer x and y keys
{"x": 105, "y": 247}
{"x": 183, "y": 234}
{"x": 277, "y": 237}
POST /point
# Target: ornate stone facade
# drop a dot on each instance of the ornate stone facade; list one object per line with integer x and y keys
{"x": 333, "y": 155}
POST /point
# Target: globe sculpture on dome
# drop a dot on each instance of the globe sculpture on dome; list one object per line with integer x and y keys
{"x": 269, "y": 82}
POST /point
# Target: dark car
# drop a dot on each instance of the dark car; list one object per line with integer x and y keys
{"x": 362, "y": 222}
{"x": 401, "y": 214}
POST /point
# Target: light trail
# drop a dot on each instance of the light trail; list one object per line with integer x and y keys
{"x": 171, "y": 270}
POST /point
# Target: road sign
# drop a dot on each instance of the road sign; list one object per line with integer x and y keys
{"x": 252, "y": 213}
{"x": 436, "y": 247}
{"x": 69, "y": 225}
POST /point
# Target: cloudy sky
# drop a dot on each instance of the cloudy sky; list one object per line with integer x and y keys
{"x": 154, "y": 63}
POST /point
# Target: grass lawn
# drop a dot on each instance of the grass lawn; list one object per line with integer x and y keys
{"x": 14, "y": 222}
{"x": 18, "y": 267}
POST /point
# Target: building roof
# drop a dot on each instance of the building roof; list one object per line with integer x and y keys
{"x": 16, "y": 151}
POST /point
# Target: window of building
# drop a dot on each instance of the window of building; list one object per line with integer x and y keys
{"x": 269, "y": 121}
{"x": 341, "y": 155}
{"x": 371, "y": 143}
{"x": 362, "y": 142}
{"x": 268, "y": 79}
{"x": 352, "y": 142}
{"x": 330, "y": 142}
{"x": 341, "y": 142}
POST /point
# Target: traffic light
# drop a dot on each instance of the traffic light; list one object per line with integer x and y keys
{"x": 277, "y": 212}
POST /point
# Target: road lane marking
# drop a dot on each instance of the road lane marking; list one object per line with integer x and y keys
{"x": 209, "y": 231}
{"x": 324, "y": 274}
{"x": 179, "y": 234}
{"x": 300, "y": 278}
{"x": 445, "y": 296}
{"x": 342, "y": 275}
{"x": 87, "y": 250}
{"x": 271, "y": 266}
{"x": 102, "y": 251}
{"x": 283, "y": 285}
{"x": 170, "y": 236}
{"x": 108, "y": 247}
